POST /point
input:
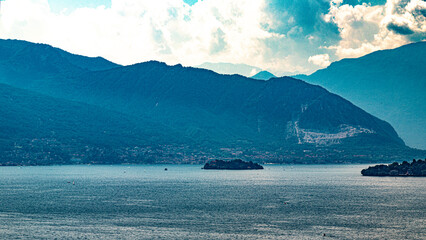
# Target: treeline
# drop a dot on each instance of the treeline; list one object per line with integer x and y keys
{"x": 416, "y": 168}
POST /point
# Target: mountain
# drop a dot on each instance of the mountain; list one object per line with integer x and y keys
{"x": 207, "y": 99}
{"x": 231, "y": 68}
{"x": 190, "y": 114}
{"x": 12, "y": 50}
{"x": 390, "y": 84}
{"x": 38, "y": 129}
{"x": 21, "y": 61}
{"x": 263, "y": 75}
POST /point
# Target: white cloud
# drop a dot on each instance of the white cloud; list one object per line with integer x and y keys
{"x": 237, "y": 31}
{"x": 253, "y": 72}
{"x": 322, "y": 60}
{"x": 140, "y": 30}
{"x": 365, "y": 28}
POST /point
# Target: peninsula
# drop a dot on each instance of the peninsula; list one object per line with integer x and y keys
{"x": 237, "y": 164}
{"x": 416, "y": 168}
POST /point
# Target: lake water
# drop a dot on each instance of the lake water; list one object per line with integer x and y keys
{"x": 186, "y": 202}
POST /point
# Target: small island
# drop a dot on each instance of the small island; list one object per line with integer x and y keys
{"x": 237, "y": 164}
{"x": 415, "y": 169}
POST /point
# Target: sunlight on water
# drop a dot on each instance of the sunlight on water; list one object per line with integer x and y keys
{"x": 185, "y": 202}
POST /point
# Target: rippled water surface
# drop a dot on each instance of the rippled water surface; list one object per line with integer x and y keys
{"x": 185, "y": 202}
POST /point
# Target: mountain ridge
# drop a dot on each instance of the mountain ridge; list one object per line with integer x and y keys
{"x": 388, "y": 83}
{"x": 263, "y": 75}
{"x": 284, "y": 119}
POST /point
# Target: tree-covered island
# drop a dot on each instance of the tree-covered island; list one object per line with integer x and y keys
{"x": 416, "y": 168}
{"x": 237, "y": 164}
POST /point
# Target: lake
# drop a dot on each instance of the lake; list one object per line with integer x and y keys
{"x": 186, "y": 202}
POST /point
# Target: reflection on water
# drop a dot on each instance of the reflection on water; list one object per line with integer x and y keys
{"x": 185, "y": 202}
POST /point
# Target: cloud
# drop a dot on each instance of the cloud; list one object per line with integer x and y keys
{"x": 130, "y": 31}
{"x": 402, "y": 29}
{"x": 406, "y": 18}
{"x": 133, "y": 31}
{"x": 281, "y": 36}
{"x": 365, "y": 28}
{"x": 322, "y": 60}
{"x": 218, "y": 42}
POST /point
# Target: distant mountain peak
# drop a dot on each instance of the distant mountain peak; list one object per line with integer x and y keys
{"x": 263, "y": 75}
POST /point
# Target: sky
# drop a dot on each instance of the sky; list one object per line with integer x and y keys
{"x": 285, "y": 37}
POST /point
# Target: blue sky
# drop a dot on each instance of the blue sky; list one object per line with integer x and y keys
{"x": 60, "y": 5}
{"x": 284, "y": 37}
